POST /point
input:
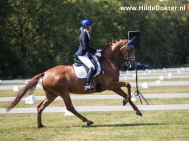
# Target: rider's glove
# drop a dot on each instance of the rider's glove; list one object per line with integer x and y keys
{"x": 98, "y": 52}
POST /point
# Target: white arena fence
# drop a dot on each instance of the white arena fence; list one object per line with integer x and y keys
{"x": 157, "y": 83}
{"x": 167, "y": 73}
{"x": 162, "y": 76}
{"x": 97, "y": 97}
{"x": 104, "y": 108}
{"x": 100, "y": 108}
{"x": 159, "y": 74}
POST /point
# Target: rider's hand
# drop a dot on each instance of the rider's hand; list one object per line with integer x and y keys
{"x": 98, "y": 54}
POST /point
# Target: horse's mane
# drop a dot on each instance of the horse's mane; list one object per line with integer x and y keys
{"x": 112, "y": 43}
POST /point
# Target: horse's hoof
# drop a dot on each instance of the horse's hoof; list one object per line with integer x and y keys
{"x": 138, "y": 113}
{"x": 41, "y": 126}
{"x": 90, "y": 123}
{"x": 124, "y": 102}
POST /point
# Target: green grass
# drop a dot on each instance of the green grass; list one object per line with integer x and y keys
{"x": 166, "y": 125}
{"x": 109, "y": 126}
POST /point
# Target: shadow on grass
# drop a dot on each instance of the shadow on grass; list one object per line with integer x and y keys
{"x": 104, "y": 125}
{"x": 121, "y": 125}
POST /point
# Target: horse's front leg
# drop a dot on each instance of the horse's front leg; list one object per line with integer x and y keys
{"x": 127, "y": 97}
{"x": 116, "y": 86}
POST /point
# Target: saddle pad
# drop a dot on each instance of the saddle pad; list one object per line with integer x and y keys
{"x": 82, "y": 73}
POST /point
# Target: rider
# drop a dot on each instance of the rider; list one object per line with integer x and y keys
{"x": 85, "y": 48}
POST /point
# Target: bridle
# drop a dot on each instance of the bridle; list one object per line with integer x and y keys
{"x": 127, "y": 47}
{"x": 129, "y": 59}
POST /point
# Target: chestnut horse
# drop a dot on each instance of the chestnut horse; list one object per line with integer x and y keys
{"x": 62, "y": 80}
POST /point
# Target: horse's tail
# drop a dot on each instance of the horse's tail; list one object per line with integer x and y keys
{"x": 30, "y": 87}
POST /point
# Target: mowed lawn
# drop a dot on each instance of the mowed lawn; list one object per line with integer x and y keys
{"x": 169, "y": 125}
{"x": 110, "y": 126}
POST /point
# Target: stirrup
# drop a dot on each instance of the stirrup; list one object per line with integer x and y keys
{"x": 88, "y": 87}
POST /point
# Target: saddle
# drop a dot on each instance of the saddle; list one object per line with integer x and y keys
{"x": 78, "y": 63}
{"x": 81, "y": 70}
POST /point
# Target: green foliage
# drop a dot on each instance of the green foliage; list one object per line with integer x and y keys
{"x": 37, "y": 35}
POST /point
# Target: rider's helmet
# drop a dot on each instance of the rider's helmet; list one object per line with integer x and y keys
{"x": 86, "y": 22}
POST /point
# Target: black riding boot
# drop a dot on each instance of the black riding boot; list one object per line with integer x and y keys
{"x": 89, "y": 77}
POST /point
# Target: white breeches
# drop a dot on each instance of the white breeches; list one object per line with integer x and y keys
{"x": 86, "y": 61}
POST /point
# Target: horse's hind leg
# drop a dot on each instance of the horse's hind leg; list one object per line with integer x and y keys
{"x": 49, "y": 98}
{"x": 69, "y": 106}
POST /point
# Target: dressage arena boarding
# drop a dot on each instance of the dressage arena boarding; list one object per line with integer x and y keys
{"x": 161, "y": 76}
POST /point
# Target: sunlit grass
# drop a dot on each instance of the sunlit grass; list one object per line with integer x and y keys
{"x": 112, "y": 126}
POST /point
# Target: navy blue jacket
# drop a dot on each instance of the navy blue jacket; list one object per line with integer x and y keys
{"x": 84, "y": 45}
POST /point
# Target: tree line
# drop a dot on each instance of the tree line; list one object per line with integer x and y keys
{"x": 37, "y": 35}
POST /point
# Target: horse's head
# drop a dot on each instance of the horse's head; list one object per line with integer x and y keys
{"x": 128, "y": 53}
{"x": 120, "y": 47}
